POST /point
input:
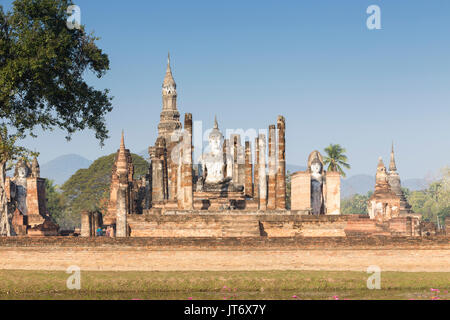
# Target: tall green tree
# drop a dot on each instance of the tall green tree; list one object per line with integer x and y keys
{"x": 42, "y": 68}
{"x": 55, "y": 203}
{"x": 87, "y": 188}
{"x": 434, "y": 202}
{"x": 336, "y": 159}
{"x": 356, "y": 204}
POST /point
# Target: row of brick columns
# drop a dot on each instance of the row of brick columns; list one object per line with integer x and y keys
{"x": 90, "y": 221}
{"x": 271, "y": 190}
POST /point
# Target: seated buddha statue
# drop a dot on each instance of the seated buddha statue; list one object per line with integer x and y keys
{"x": 213, "y": 165}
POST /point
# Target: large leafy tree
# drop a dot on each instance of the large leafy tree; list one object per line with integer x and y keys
{"x": 434, "y": 202}
{"x": 356, "y": 204}
{"x": 88, "y": 188}
{"x": 55, "y": 203}
{"x": 335, "y": 159}
{"x": 43, "y": 66}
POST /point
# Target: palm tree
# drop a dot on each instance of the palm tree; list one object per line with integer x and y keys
{"x": 336, "y": 159}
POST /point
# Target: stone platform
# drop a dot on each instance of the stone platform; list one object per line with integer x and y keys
{"x": 226, "y": 254}
{"x": 276, "y": 224}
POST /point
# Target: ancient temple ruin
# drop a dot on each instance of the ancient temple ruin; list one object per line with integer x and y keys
{"x": 389, "y": 211}
{"x": 384, "y": 204}
{"x": 221, "y": 179}
{"x": 236, "y": 188}
{"x": 388, "y": 200}
{"x": 27, "y": 201}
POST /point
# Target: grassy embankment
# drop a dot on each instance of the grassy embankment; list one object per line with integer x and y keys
{"x": 223, "y": 285}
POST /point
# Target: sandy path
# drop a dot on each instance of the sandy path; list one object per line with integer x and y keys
{"x": 142, "y": 259}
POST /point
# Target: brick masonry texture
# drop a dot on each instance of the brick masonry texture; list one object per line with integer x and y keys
{"x": 226, "y": 254}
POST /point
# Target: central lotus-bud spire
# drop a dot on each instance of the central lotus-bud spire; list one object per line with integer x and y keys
{"x": 169, "y": 82}
{"x": 170, "y": 117}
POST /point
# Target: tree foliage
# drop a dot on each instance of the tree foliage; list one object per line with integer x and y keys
{"x": 42, "y": 65}
{"x": 356, "y": 204}
{"x": 336, "y": 159}
{"x": 55, "y": 203}
{"x": 434, "y": 202}
{"x": 9, "y": 150}
{"x": 42, "y": 69}
{"x": 86, "y": 189}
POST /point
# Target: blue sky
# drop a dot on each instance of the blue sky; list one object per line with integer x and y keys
{"x": 315, "y": 62}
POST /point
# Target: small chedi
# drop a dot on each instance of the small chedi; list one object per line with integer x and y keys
{"x": 388, "y": 200}
{"x": 316, "y": 189}
{"x": 27, "y": 202}
{"x": 384, "y": 204}
{"x": 389, "y": 211}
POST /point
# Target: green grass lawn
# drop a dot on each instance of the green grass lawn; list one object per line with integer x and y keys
{"x": 223, "y": 285}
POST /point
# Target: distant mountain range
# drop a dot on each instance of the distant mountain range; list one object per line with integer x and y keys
{"x": 62, "y": 168}
{"x": 362, "y": 183}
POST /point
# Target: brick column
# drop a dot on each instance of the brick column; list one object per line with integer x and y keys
{"x": 121, "y": 215}
{"x": 262, "y": 173}
{"x": 241, "y": 164}
{"x": 86, "y": 227}
{"x": 248, "y": 170}
{"x": 121, "y": 204}
{"x": 272, "y": 169}
{"x": 301, "y": 191}
{"x": 157, "y": 172}
{"x": 173, "y": 172}
{"x": 333, "y": 193}
{"x": 186, "y": 172}
{"x": 256, "y": 178}
{"x": 235, "y": 147}
{"x": 96, "y": 222}
{"x": 281, "y": 165}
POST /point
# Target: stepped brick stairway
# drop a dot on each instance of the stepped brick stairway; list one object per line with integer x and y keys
{"x": 240, "y": 226}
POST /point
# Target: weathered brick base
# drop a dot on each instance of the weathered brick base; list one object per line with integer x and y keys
{"x": 226, "y": 254}
{"x": 268, "y": 224}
